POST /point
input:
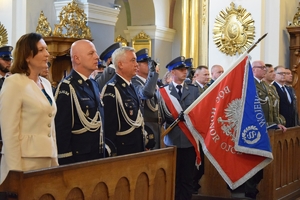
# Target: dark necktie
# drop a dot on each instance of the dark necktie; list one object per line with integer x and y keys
{"x": 90, "y": 84}
{"x": 283, "y": 89}
{"x": 179, "y": 90}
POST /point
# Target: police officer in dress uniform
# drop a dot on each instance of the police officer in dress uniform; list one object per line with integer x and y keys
{"x": 123, "y": 124}
{"x": 109, "y": 70}
{"x": 79, "y": 118}
{"x": 182, "y": 95}
{"x": 145, "y": 83}
{"x": 5, "y": 63}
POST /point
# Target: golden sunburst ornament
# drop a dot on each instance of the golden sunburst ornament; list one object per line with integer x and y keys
{"x": 3, "y": 36}
{"x": 233, "y": 30}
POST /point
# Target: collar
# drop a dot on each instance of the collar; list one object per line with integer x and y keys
{"x": 175, "y": 84}
{"x": 202, "y": 86}
{"x": 128, "y": 83}
{"x": 142, "y": 78}
{"x": 279, "y": 84}
{"x": 257, "y": 79}
{"x": 82, "y": 76}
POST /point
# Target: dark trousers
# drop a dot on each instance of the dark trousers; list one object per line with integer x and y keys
{"x": 198, "y": 173}
{"x": 185, "y": 163}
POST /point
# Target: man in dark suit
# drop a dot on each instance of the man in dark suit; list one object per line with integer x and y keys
{"x": 79, "y": 118}
{"x": 201, "y": 78}
{"x": 109, "y": 70}
{"x": 181, "y": 96}
{"x": 123, "y": 124}
{"x": 286, "y": 104}
{"x": 145, "y": 82}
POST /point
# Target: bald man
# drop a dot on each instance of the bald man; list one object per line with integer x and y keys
{"x": 79, "y": 115}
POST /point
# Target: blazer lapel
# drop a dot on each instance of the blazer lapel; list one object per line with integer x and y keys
{"x": 185, "y": 91}
{"x": 83, "y": 85}
{"x": 174, "y": 91}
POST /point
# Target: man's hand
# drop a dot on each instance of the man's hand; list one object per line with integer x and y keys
{"x": 181, "y": 116}
{"x": 281, "y": 127}
{"x": 151, "y": 65}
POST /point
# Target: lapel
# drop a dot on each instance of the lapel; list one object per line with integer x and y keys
{"x": 260, "y": 87}
{"x": 78, "y": 80}
{"x": 185, "y": 91}
{"x": 130, "y": 90}
{"x": 173, "y": 91}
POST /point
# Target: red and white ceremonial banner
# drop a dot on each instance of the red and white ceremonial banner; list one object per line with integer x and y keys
{"x": 175, "y": 108}
{"x": 228, "y": 121}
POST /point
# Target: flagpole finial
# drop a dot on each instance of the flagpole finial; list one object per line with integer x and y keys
{"x": 254, "y": 45}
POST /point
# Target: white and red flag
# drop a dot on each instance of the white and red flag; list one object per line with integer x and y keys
{"x": 229, "y": 122}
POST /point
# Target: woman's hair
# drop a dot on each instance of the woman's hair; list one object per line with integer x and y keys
{"x": 25, "y": 47}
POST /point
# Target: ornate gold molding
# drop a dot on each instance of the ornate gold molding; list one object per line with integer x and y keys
{"x": 142, "y": 40}
{"x": 3, "y": 35}
{"x": 234, "y": 30}
{"x": 43, "y": 26}
{"x": 121, "y": 40}
{"x": 73, "y": 22}
{"x": 296, "y": 20}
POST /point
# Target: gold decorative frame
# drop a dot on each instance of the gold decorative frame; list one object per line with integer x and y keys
{"x": 233, "y": 30}
{"x": 3, "y": 35}
{"x": 140, "y": 41}
{"x": 121, "y": 40}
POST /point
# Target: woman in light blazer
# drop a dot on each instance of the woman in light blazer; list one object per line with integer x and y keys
{"x": 27, "y": 110}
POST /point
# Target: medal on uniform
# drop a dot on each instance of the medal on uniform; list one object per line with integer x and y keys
{"x": 131, "y": 112}
{"x": 87, "y": 111}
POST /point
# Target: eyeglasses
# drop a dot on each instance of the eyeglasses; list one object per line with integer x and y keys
{"x": 281, "y": 73}
{"x": 261, "y": 67}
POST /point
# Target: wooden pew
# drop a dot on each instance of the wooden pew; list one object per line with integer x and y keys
{"x": 281, "y": 177}
{"x": 149, "y": 175}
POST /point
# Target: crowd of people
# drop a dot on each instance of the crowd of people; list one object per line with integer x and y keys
{"x": 111, "y": 105}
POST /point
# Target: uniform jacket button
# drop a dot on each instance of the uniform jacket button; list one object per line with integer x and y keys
{"x": 49, "y": 125}
{"x": 50, "y": 115}
{"x": 49, "y": 135}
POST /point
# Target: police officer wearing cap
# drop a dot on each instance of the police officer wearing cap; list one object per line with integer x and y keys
{"x": 79, "y": 118}
{"x": 5, "y": 62}
{"x": 124, "y": 122}
{"x": 145, "y": 83}
{"x": 109, "y": 71}
{"x": 182, "y": 95}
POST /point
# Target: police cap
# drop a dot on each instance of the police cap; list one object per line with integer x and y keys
{"x": 106, "y": 54}
{"x": 5, "y": 53}
{"x": 100, "y": 64}
{"x": 189, "y": 62}
{"x": 142, "y": 55}
{"x": 176, "y": 63}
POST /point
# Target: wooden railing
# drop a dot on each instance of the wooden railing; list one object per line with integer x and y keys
{"x": 149, "y": 175}
{"x": 281, "y": 177}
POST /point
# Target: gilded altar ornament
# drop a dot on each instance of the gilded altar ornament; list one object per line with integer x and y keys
{"x": 43, "y": 26}
{"x": 296, "y": 20}
{"x": 233, "y": 30}
{"x": 73, "y": 23}
{"x": 121, "y": 40}
{"x": 3, "y": 35}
